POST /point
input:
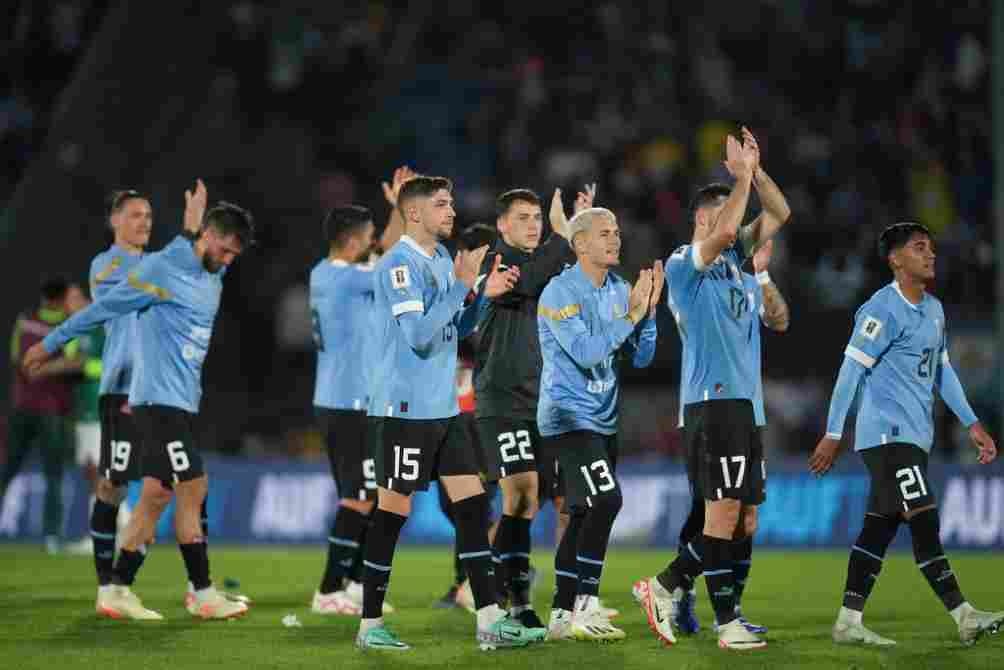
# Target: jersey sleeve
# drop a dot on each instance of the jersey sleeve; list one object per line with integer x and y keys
{"x": 684, "y": 271}
{"x": 144, "y": 286}
{"x": 874, "y": 332}
{"x": 402, "y": 283}
{"x": 561, "y": 313}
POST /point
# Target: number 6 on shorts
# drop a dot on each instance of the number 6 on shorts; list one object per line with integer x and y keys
{"x": 179, "y": 459}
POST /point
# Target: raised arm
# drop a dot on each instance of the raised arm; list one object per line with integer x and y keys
{"x": 776, "y": 211}
{"x": 741, "y": 163}
{"x": 395, "y": 224}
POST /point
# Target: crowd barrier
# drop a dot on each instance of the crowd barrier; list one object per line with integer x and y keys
{"x": 292, "y": 502}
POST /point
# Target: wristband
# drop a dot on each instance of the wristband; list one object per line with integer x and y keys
{"x": 762, "y": 278}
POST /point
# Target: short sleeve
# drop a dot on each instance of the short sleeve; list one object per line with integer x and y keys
{"x": 874, "y": 331}
{"x": 683, "y": 273}
{"x": 401, "y": 281}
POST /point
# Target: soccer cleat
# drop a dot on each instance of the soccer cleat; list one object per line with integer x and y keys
{"x": 974, "y": 624}
{"x": 754, "y": 628}
{"x": 215, "y": 606}
{"x": 657, "y": 605}
{"x": 380, "y": 638}
{"x": 465, "y": 597}
{"x": 530, "y": 620}
{"x": 609, "y": 612}
{"x": 119, "y": 602}
{"x": 592, "y": 626}
{"x": 507, "y": 632}
{"x": 683, "y": 615}
{"x": 354, "y": 591}
{"x": 849, "y": 632}
{"x": 560, "y": 625}
{"x": 734, "y": 636}
{"x": 334, "y": 603}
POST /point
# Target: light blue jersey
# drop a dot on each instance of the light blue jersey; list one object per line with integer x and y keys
{"x": 716, "y": 315}
{"x": 176, "y": 301}
{"x": 108, "y": 269}
{"x": 583, "y": 331}
{"x": 421, "y": 316}
{"x": 341, "y": 302}
{"x": 896, "y": 358}
{"x": 755, "y": 292}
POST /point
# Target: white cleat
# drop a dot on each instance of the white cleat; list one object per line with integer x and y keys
{"x": 657, "y": 604}
{"x": 609, "y": 612}
{"x": 734, "y": 636}
{"x": 559, "y": 626}
{"x": 118, "y": 602}
{"x": 846, "y": 632}
{"x": 214, "y": 605}
{"x": 334, "y": 603}
{"x": 591, "y": 625}
{"x": 236, "y": 597}
{"x": 354, "y": 592}
{"x": 974, "y": 624}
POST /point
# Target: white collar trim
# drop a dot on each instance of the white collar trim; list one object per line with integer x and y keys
{"x": 407, "y": 239}
{"x": 895, "y": 285}
{"x": 339, "y": 263}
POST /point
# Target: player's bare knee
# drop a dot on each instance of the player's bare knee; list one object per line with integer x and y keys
{"x": 155, "y": 495}
{"x": 722, "y": 518}
{"x": 109, "y": 492}
{"x": 364, "y": 507}
{"x": 750, "y": 521}
{"x": 394, "y": 502}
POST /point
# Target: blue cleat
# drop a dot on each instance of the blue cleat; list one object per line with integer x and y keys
{"x": 684, "y": 616}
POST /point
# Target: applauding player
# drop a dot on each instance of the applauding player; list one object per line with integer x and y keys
{"x": 896, "y": 359}
{"x": 587, "y": 318}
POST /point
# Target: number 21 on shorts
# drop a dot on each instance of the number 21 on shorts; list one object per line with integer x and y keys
{"x": 908, "y": 478}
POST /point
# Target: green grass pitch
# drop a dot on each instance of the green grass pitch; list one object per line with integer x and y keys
{"x": 47, "y": 619}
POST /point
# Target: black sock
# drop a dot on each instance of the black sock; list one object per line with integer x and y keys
{"x": 472, "y": 534}
{"x": 104, "y": 518}
{"x": 458, "y": 566}
{"x": 518, "y": 562}
{"x": 566, "y": 575}
{"x": 742, "y": 553}
{"x": 356, "y": 571}
{"x": 865, "y": 561}
{"x": 343, "y": 544}
{"x": 196, "y": 557}
{"x": 685, "y": 568}
{"x": 719, "y": 578}
{"x": 380, "y": 544}
{"x": 593, "y": 540}
{"x": 501, "y": 550}
{"x": 127, "y": 566}
{"x": 204, "y": 518}
{"x": 931, "y": 558}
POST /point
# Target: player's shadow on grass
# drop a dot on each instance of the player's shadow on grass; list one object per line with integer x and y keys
{"x": 91, "y": 632}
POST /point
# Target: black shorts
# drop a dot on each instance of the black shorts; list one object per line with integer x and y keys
{"x": 511, "y": 446}
{"x": 414, "y": 451}
{"x": 170, "y": 451}
{"x": 587, "y": 462}
{"x": 345, "y": 433}
{"x": 121, "y": 446}
{"x": 724, "y": 451}
{"x": 899, "y": 481}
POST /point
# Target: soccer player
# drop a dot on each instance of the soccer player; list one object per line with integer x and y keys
{"x": 675, "y": 584}
{"x": 341, "y": 303}
{"x": 176, "y": 295}
{"x": 507, "y": 383}
{"x": 420, "y": 298}
{"x": 896, "y": 359}
{"x": 718, "y": 382}
{"x": 588, "y": 318}
{"x": 41, "y": 403}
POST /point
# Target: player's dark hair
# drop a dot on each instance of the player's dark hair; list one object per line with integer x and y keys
{"x": 117, "y": 199}
{"x": 54, "y": 288}
{"x": 421, "y": 186}
{"x": 477, "y": 235}
{"x": 506, "y": 200}
{"x": 227, "y": 218}
{"x": 707, "y": 195}
{"x": 897, "y": 235}
{"x": 341, "y": 222}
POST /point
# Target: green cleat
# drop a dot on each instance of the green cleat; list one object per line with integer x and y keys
{"x": 380, "y": 638}
{"x": 508, "y": 632}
